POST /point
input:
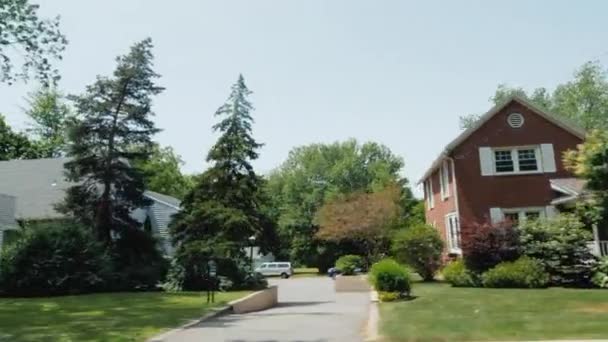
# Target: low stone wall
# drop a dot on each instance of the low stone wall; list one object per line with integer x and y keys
{"x": 351, "y": 284}
{"x": 256, "y": 301}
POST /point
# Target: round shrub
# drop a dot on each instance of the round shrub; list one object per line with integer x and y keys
{"x": 560, "y": 243}
{"x": 387, "y": 275}
{"x": 53, "y": 259}
{"x": 419, "y": 247}
{"x": 522, "y": 273}
{"x": 347, "y": 264}
{"x": 457, "y": 274}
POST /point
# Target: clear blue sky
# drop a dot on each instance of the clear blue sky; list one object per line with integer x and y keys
{"x": 396, "y": 72}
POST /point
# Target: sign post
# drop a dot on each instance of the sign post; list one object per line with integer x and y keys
{"x": 211, "y": 280}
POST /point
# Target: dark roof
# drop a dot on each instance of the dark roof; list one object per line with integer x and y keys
{"x": 555, "y": 119}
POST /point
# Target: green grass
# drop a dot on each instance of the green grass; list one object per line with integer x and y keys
{"x": 443, "y": 313}
{"x": 101, "y": 317}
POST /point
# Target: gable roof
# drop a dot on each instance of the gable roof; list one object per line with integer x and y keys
{"x": 37, "y": 185}
{"x": 559, "y": 121}
{"x": 7, "y": 212}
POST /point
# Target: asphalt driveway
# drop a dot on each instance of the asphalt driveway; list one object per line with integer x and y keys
{"x": 309, "y": 310}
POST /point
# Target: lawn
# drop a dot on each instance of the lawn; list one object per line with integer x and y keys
{"x": 101, "y": 317}
{"x": 443, "y": 313}
{"x": 304, "y": 272}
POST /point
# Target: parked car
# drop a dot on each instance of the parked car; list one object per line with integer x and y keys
{"x": 282, "y": 269}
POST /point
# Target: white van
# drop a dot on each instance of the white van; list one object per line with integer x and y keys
{"x": 282, "y": 269}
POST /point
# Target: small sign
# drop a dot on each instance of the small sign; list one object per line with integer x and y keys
{"x": 212, "y": 267}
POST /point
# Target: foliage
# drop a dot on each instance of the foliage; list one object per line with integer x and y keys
{"x": 347, "y": 264}
{"x": 560, "y": 243}
{"x": 138, "y": 263}
{"x": 315, "y": 174}
{"x": 583, "y": 100}
{"x": 385, "y": 296}
{"x": 361, "y": 218}
{"x": 116, "y": 128}
{"x": 419, "y": 247}
{"x": 457, "y": 274}
{"x": 485, "y": 245}
{"x": 389, "y": 276}
{"x": 162, "y": 172}
{"x": 53, "y": 259}
{"x": 589, "y": 162}
{"x": 26, "y": 37}
{"x": 600, "y": 277}
{"x": 15, "y": 145}
{"x": 523, "y": 272}
{"x": 226, "y": 205}
{"x": 51, "y": 118}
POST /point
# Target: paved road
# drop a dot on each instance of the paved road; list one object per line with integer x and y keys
{"x": 309, "y": 310}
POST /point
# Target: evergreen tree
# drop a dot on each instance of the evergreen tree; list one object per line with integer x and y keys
{"x": 115, "y": 129}
{"x": 225, "y": 208}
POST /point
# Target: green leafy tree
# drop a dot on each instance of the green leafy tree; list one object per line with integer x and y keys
{"x": 163, "y": 175}
{"x": 420, "y": 247}
{"x": 115, "y": 128}
{"x": 15, "y": 145}
{"x": 317, "y": 173}
{"x": 33, "y": 41}
{"x": 583, "y": 100}
{"x": 51, "y": 117}
{"x": 224, "y": 208}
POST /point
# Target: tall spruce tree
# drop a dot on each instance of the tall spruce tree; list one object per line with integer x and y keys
{"x": 225, "y": 207}
{"x": 115, "y": 129}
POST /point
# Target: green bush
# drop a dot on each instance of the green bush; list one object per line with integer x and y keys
{"x": 53, "y": 259}
{"x": 457, "y": 274}
{"x": 522, "y": 273}
{"x": 347, "y": 264}
{"x": 389, "y": 276}
{"x": 419, "y": 247}
{"x": 560, "y": 244}
{"x": 600, "y": 277}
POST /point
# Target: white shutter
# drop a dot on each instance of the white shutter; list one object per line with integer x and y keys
{"x": 496, "y": 215}
{"x": 485, "y": 161}
{"x": 551, "y": 211}
{"x": 548, "y": 157}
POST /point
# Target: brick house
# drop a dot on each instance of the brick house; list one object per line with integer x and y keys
{"x": 507, "y": 166}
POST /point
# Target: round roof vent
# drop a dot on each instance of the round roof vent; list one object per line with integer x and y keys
{"x": 515, "y": 120}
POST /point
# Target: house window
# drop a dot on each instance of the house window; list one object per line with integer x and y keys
{"x": 517, "y": 215}
{"x": 428, "y": 190}
{"x": 517, "y": 160}
{"x": 453, "y": 232}
{"x": 444, "y": 181}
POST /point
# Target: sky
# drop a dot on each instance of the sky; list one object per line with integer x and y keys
{"x": 396, "y": 72}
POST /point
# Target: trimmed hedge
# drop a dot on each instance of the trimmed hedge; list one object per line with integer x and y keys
{"x": 387, "y": 275}
{"x": 419, "y": 247}
{"x": 457, "y": 274}
{"x": 522, "y": 273}
{"x": 347, "y": 264}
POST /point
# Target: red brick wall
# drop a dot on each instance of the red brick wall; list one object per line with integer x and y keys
{"x": 436, "y": 215}
{"x": 477, "y": 193}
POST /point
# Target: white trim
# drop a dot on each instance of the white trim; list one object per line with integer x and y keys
{"x": 428, "y": 190}
{"x": 453, "y": 246}
{"x": 515, "y": 159}
{"x": 456, "y": 205}
{"x": 444, "y": 180}
{"x": 521, "y": 212}
{"x": 162, "y": 202}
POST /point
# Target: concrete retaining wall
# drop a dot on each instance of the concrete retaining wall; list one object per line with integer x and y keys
{"x": 351, "y": 284}
{"x": 256, "y": 301}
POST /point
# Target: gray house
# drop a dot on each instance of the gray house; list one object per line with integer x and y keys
{"x": 30, "y": 190}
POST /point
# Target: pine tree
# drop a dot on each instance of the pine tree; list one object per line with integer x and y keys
{"x": 115, "y": 129}
{"x": 225, "y": 207}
